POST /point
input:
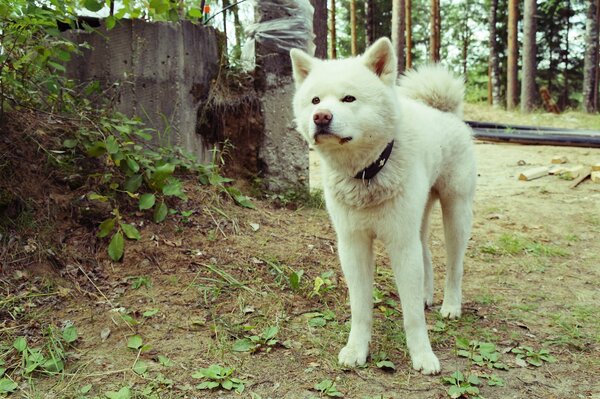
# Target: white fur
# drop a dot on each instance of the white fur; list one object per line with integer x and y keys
{"x": 432, "y": 159}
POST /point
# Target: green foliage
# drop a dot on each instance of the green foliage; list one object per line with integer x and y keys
{"x": 253, "y": 343}
{"x": 327, "y": 388}
{"x": 528, "y": 355}
{"x": 480, "y": 353}
{"x": 462, "y": 386}
{"x": 217, "y": 377}
{"x": 49, "y": 357}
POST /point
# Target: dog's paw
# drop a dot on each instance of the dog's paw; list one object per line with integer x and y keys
{"x": 428, "y": 300}
{"x": 427, "y": 363}
{"x": 352, "y": 355}
{"x": 450, "y": 311}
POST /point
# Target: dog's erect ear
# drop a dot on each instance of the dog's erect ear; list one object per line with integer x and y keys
{"x": 302, "y": 63}
{"x": 380, "y": 58}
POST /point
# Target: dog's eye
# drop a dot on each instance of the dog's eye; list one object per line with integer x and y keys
{"x": 349, "y": 99}
{"x": 316, "y": 100}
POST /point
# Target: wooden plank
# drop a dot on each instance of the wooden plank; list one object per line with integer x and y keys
{"x": 559, "y": 159}
{"x": 534, "y": 173}
{"x": 595, "y": 176}
{"x": 596, "y": 167}
{"x": 584, "y": 174}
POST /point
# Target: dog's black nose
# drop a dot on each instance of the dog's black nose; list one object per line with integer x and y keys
{"x": 322, "y": 118}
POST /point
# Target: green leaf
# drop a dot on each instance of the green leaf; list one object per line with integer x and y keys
{"x": 70, "y": 334}
{"x": 165, "y": 361}
{"x": 53, "y": 365}
{"x": 124, "y": 393}
{"x": 97, "y": 197}
{"x": 133, "y": 183}
{"x": 243, "y": 345}
{"x": 133, "y": 165}
{"x": 455, "y": 392}
{"x": 85, "y": 389}
{"x": 147, "y": 201}
{"x": 134, "y": 342}
{"x": 174, "y": 188}
{"x": 160, "y": 212}
{"x": 20, "y": 344}
{"x": 295, "y": 278}
{"x": 270, "y": 332}
{"x": 116, "y": 246}
{"x": 110, "y": 22}
{"x": 94, "y": 5}
{"x": 140, "y": 367}
{"x": 112, "y": 145}
{"x": 70, "y": 143}
{"x": 7, "y": 385}
{"x": 208, "y": 385}
{"x": 150, "y": 313}
{"x": 106, "y": 227}
{"x": 130, "y": 231}
{"x": 386, "y": 364}
{"x": 195, "y": 13}
{"x": 317, "y": 322}
{"x": 96, "y": 149}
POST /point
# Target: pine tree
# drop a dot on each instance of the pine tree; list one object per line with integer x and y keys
{"x": 513, "y": 51}
{"x": 529, "y": 64}
{"x": 590, "y": 68}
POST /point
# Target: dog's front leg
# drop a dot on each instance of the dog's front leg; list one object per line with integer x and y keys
{"x": 356, "y": 256}
{"x": 407, "y": 262}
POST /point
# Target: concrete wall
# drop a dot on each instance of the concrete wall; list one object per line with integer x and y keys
{"x": 163, "y": 73}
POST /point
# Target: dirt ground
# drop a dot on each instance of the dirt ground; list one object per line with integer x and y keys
{"x": 192, "y": 287}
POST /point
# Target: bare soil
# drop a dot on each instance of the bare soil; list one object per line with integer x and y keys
{"x": 531, "y": 278}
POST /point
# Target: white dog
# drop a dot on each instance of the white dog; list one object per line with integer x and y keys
{"x": 388, "y": 153}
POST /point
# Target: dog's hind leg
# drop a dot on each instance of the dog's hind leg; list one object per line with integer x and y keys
{"x": 427, "y": 264}
{"x": 356, "y": 257}
{"x": 457, "y": 214}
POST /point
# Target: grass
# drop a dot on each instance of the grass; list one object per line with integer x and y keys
{"x": 569, "y": 120}
{"x": 513, "y": 244}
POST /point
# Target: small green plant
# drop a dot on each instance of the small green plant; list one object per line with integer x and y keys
{"x": 327, "y": 388}
{"x": 323, "y": 283}
{"x": 219, "y": 377}
{"x": 528, "y": 355}
{"x": 49, "y": 358}
{"x": 480, "y": 353}
{"x": 320, "y": 319}
{"x": 265, "y": 340}
{"x": 382, "y": 361}
{"x": 462, "y": 386}
{"x": 141, "y": 281}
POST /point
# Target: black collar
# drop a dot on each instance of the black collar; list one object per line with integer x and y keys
{"x": 370, "y": 171}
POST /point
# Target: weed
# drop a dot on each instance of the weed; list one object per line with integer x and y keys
{"x": 322, "y": 284}
{"x": 480, "y": 353}
{"x": 382, "y": 361}
{"x": 141, "y": 281}
{"x": 528, "y": 355}
{"x": 265, "y": 340}
{"x": 327, "y": 388}
{"x": 49, "y": 358}
{"x": 320, "y": 319}
{"x": 511, "y": 244}
{"x": 462, "y": 386}
{"x": 217, "y": 377}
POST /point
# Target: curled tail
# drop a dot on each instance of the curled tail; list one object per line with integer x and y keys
{"x": 435, "y": 86}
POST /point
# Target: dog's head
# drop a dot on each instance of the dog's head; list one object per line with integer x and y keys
{"x": 346, "y": 102}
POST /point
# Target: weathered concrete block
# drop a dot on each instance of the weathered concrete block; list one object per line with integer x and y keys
{"x": 162, "y": 72}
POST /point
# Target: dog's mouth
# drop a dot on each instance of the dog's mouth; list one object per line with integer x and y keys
{"x": 325, "y": 136}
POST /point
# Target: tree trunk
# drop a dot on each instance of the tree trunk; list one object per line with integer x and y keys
{"x": 564, "y": 101}
{"x": 353, "y": 39}
{"x": 408, "y": 4}
{"x": 320, "y": 27}
{"x": 369, "y": 23}
{"x": 434, "y": 38}
{"x": 529, "y": 64}
{"x": 398, "y": 21}
{"x": 590, "y": 67}
{"x": 333, "y": 44}
{"x": 513, "y": 53}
